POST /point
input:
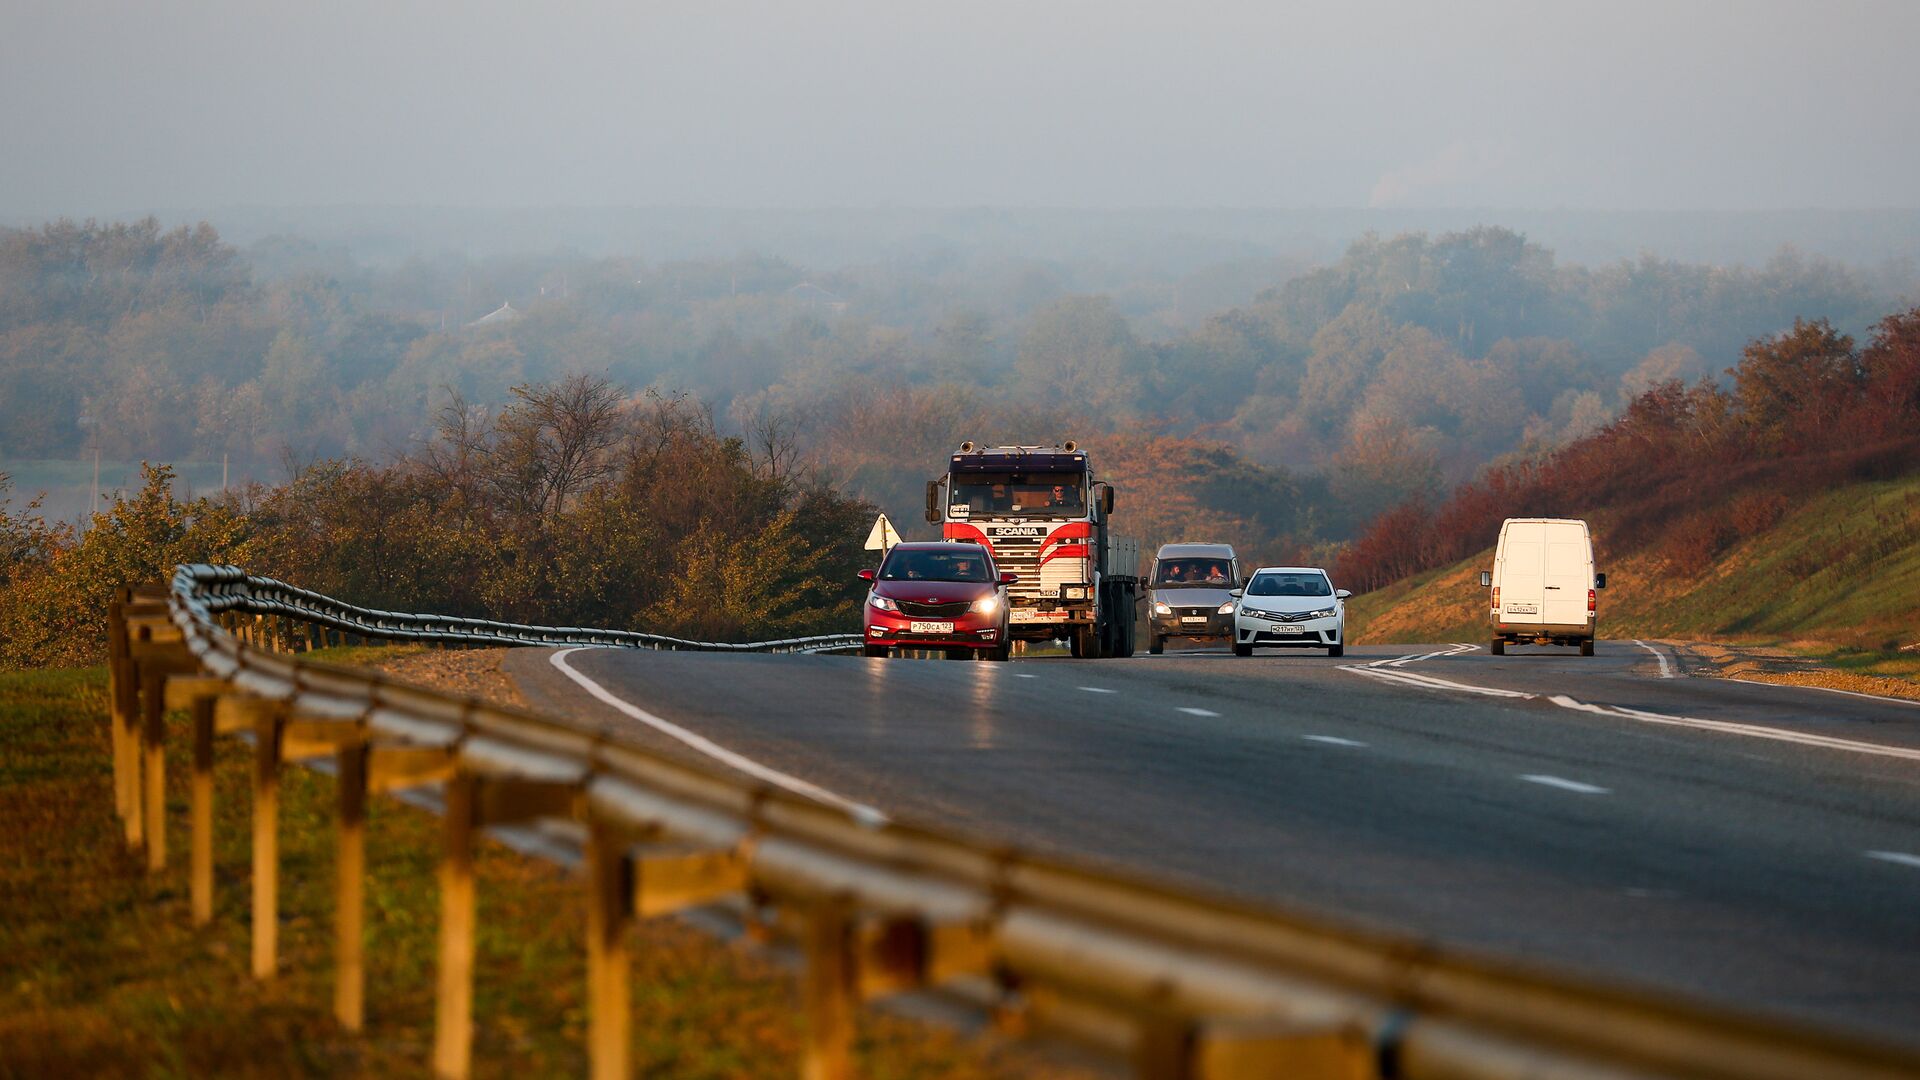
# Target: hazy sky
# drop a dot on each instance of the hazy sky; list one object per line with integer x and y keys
{"x": 123, "y": 106}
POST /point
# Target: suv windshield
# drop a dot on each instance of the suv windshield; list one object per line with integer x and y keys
{"x": 1289, "y": 585}
{"x": 924, "y": 565}
{"x": 1010, "y": 494}
{"x": 1194, "y": 573}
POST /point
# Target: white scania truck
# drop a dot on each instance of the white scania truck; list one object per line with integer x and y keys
{"x": 1544, "y": 589}
{"x": 1045, "y": 518}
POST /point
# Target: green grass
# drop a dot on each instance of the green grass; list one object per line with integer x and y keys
{"x": 1837, "y": 579}
{"x": 105, "y": 976}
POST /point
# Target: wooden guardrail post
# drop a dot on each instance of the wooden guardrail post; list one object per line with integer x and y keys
{"x": 119, "y": 686}
{"x": 267, "y": 731}
{"x": 453, "y": 1016}
{"x": 350, "y": 888}
{"x": 200, "y": 862}
{"x": 609, "y": 969}
{"x": 828, "y": 991}
{"x": 153, "y": 745}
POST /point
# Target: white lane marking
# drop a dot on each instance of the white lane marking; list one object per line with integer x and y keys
{"x": 1191, "y": 711}
{"x": 1024, "y": 675}
{"x": 1724, "y": 727}
{"x": 1098, "y": 690}
{"x": 1333, "y": 740}
{"x": 1730, "y": 727}
{"x": 1455, "y": 649}
{"x": 862, "y": 812}
{"x": 1565, "y": 784}
{"x": 1831, "y": 690}
{"x": 1899, "y": 857}
{"x": 1666, "y": 666}
{"x": 1428, "y": 682}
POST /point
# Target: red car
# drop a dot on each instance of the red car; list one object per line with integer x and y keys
{"x": 938, "y": 595}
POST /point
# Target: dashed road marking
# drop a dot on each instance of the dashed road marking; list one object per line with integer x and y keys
{"x": 1024, "y": 675}
{"x": 1191, "y": 711}
{"x": 1666, "y": 666}
{"x": 1565, "y": 784}
{"x": 1098, "y": 690}
{"x": 1333, "y": 740}
{"x": 860, "y": 811}
{"x": 1900, "y": 857}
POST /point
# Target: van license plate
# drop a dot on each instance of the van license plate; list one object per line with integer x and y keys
{"x": 1287, "y": 628}
{"x": 1193, "y": 618}
{"x": 930, "y": 627}
{"x": 1523, "y": 609}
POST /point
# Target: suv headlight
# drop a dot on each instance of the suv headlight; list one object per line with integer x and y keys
{"x": 883, "y": 603}
{"x": 1225, "y": 609}
{"x": 987, "y": 605}
{"x": 1161, "y": 609}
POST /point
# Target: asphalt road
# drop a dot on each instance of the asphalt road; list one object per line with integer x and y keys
{"x": 1749, "y": 844}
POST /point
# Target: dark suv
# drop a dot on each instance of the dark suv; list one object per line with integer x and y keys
{"x": 1192, "y": 594}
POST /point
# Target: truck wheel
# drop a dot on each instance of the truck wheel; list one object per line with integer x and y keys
{"x": 1499, "y": 647}
{"x": 1155, "y": 643}
{"x": 1586, "y": 647}
{"x": 873, "y": 650}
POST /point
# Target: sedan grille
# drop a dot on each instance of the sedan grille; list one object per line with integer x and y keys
{"x": 943, "y": 611}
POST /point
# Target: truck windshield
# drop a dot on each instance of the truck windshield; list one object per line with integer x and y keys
{"x": 924, "y": 565}
{"x": 1020, "y": 494}
{"x": 1289, "y": 585}
{"x": 1198, "y": 573}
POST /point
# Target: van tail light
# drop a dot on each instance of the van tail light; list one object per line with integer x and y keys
{"x": 1496, "y": 598}
{"x": 1590, "y": 600}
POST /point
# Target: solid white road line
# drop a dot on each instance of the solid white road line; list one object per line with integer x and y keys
{"x": 1666, "y": 666}
{"x": 1900, "y": 857}
{"x": 1832, "y": 690}
{"x": 1724, "y": 727}
{"x": 860, "y": 811}
{"x": 1191, "y": 711}
{"x": 1729, "y": 727}
{"x": 1098, "y": 690}
{"x": 1333, "y": 740}
{"x": 1565, "y": 784}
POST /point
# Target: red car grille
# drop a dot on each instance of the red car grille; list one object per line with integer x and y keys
{"x": 940, "y": 611}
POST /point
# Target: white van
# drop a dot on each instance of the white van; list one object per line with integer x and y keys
{"x": 1544, "y": 587}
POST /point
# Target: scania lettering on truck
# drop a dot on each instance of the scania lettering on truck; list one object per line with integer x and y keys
{"x": 1544, "y": 589}
{"x": 1045, "y": 519}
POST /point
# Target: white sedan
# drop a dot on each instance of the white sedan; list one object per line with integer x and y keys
{"x": 1290, "y": 607}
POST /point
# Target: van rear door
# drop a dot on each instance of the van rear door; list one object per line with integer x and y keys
{"x": 1523, "y": 573}
{"x": 1567, "y": 576}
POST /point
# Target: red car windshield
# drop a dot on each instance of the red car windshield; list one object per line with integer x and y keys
{"x": 924, "y": 565}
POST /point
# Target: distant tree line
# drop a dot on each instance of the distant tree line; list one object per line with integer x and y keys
{"x": 1690, "y": 469}
{"x": 576, "y": 503}
{"x": 1399, "y": 370}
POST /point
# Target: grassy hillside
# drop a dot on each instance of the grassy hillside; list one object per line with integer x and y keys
{"x": 1838, "y": 573}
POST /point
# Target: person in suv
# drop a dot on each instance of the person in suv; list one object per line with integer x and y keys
{"x": 938, "y": 595}
{"x": 1192, "y": 594}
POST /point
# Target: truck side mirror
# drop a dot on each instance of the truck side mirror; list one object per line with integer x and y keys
{"x": 1486, "y": 579}
{"x": 868, "y": 575}
{"x": 1106, "y": 499}
{"x": 933, "y": 502}
{"x": 1599, "y": 581}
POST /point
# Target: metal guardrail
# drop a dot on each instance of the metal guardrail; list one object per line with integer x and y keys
{"x": 1188, "y": 986}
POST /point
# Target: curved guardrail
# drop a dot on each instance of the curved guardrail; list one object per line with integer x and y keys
{"x": 222, "y": 589}
{"x": 1186, "y": 985}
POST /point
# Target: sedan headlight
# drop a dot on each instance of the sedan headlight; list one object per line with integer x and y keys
{"x": 987, "y": 605}
{"x": 883, "y": 603}
{"x": 1161, "y": 609}
{"x": 1225, "y": 609}
{"x": 1323, "y": 613}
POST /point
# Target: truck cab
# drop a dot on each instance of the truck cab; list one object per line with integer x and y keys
{"x": 1045, "y": 519}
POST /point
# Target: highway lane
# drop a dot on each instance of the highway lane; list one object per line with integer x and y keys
{"x": 1705, "y": 859}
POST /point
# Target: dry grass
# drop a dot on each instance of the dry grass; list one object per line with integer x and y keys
{"x": 106, "y": 977}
